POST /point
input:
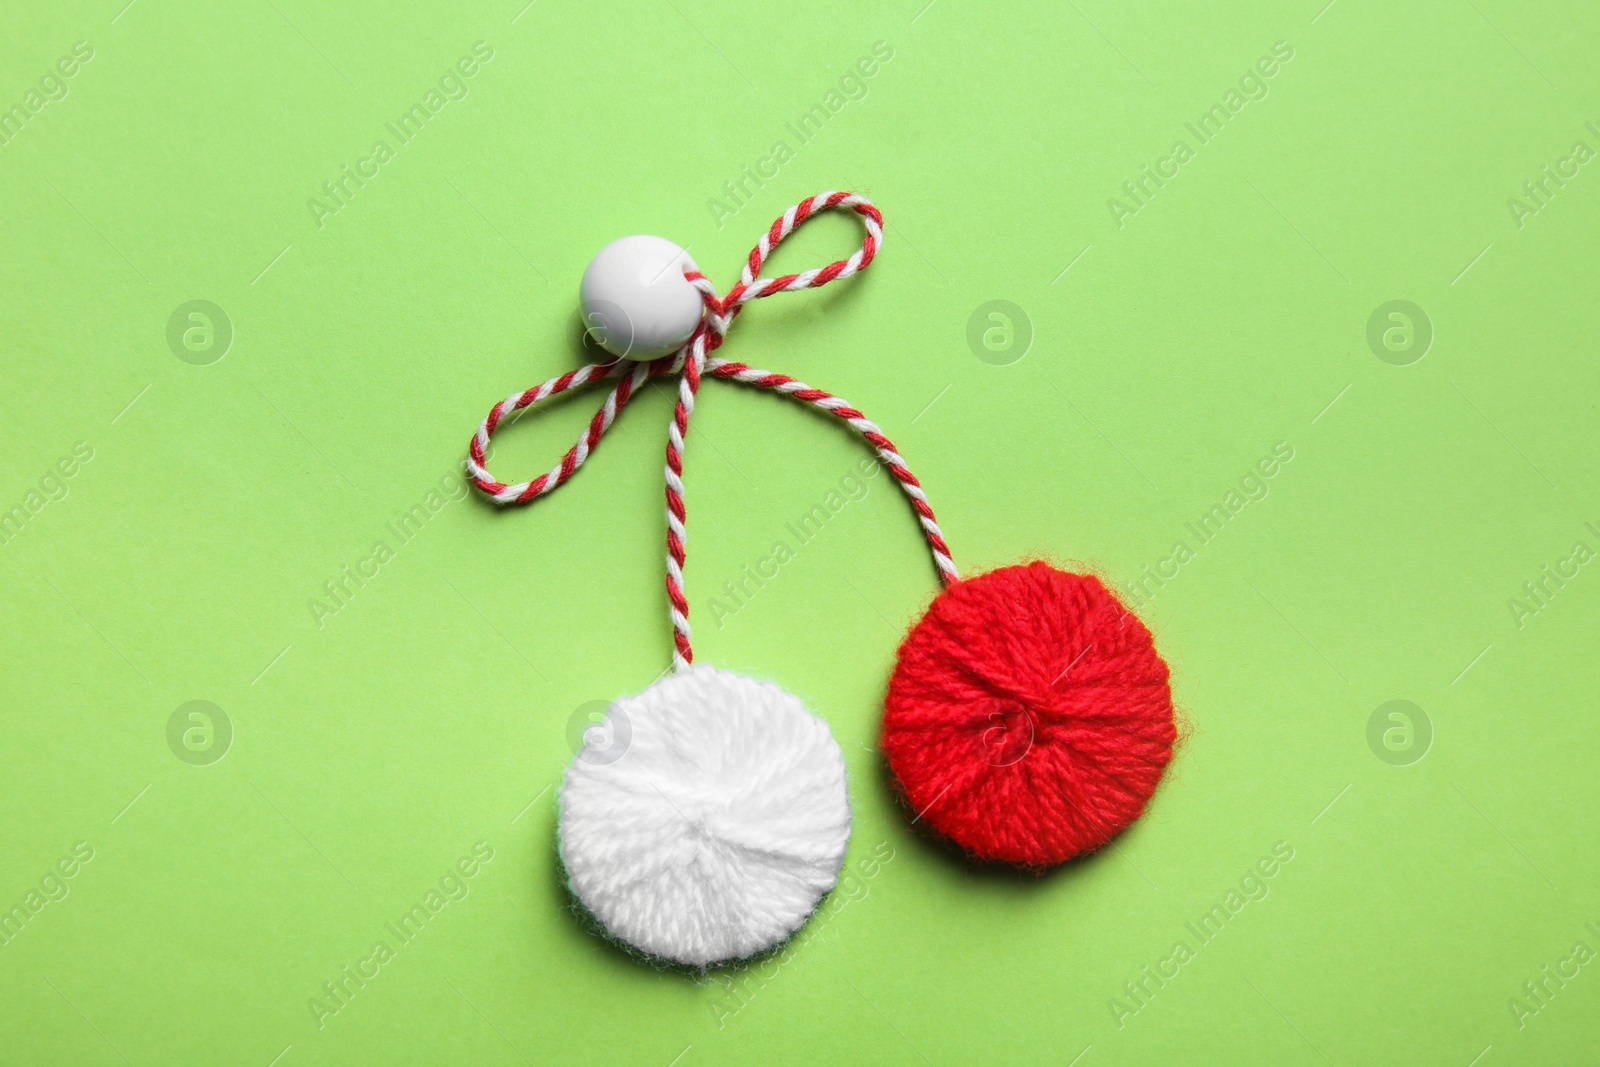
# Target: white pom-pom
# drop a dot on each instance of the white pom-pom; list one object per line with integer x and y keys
{"x": 707, "y": 819}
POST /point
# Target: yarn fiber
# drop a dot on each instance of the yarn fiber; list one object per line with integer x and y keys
{"x": 1029, "y": 717}
{"x": 717, "y": 829}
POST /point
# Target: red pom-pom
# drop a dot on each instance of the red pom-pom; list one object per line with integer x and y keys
{"x": 1029, "y": 717}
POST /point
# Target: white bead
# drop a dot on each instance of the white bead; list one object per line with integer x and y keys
{"x": 709, "y": 821}
{"x": 636, "y": 302}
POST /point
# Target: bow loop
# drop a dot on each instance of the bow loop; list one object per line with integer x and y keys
{"x": 688, "y": 363}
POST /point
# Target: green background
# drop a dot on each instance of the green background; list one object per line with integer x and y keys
{"x": 375, "y": 747}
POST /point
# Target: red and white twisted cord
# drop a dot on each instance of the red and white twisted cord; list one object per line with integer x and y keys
{"x": 690, "y": 362}
{"x": 868, "y": 429}
{"x": 616, "y": 400}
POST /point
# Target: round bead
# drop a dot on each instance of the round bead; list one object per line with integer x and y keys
{"x": 636, "y": 302}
